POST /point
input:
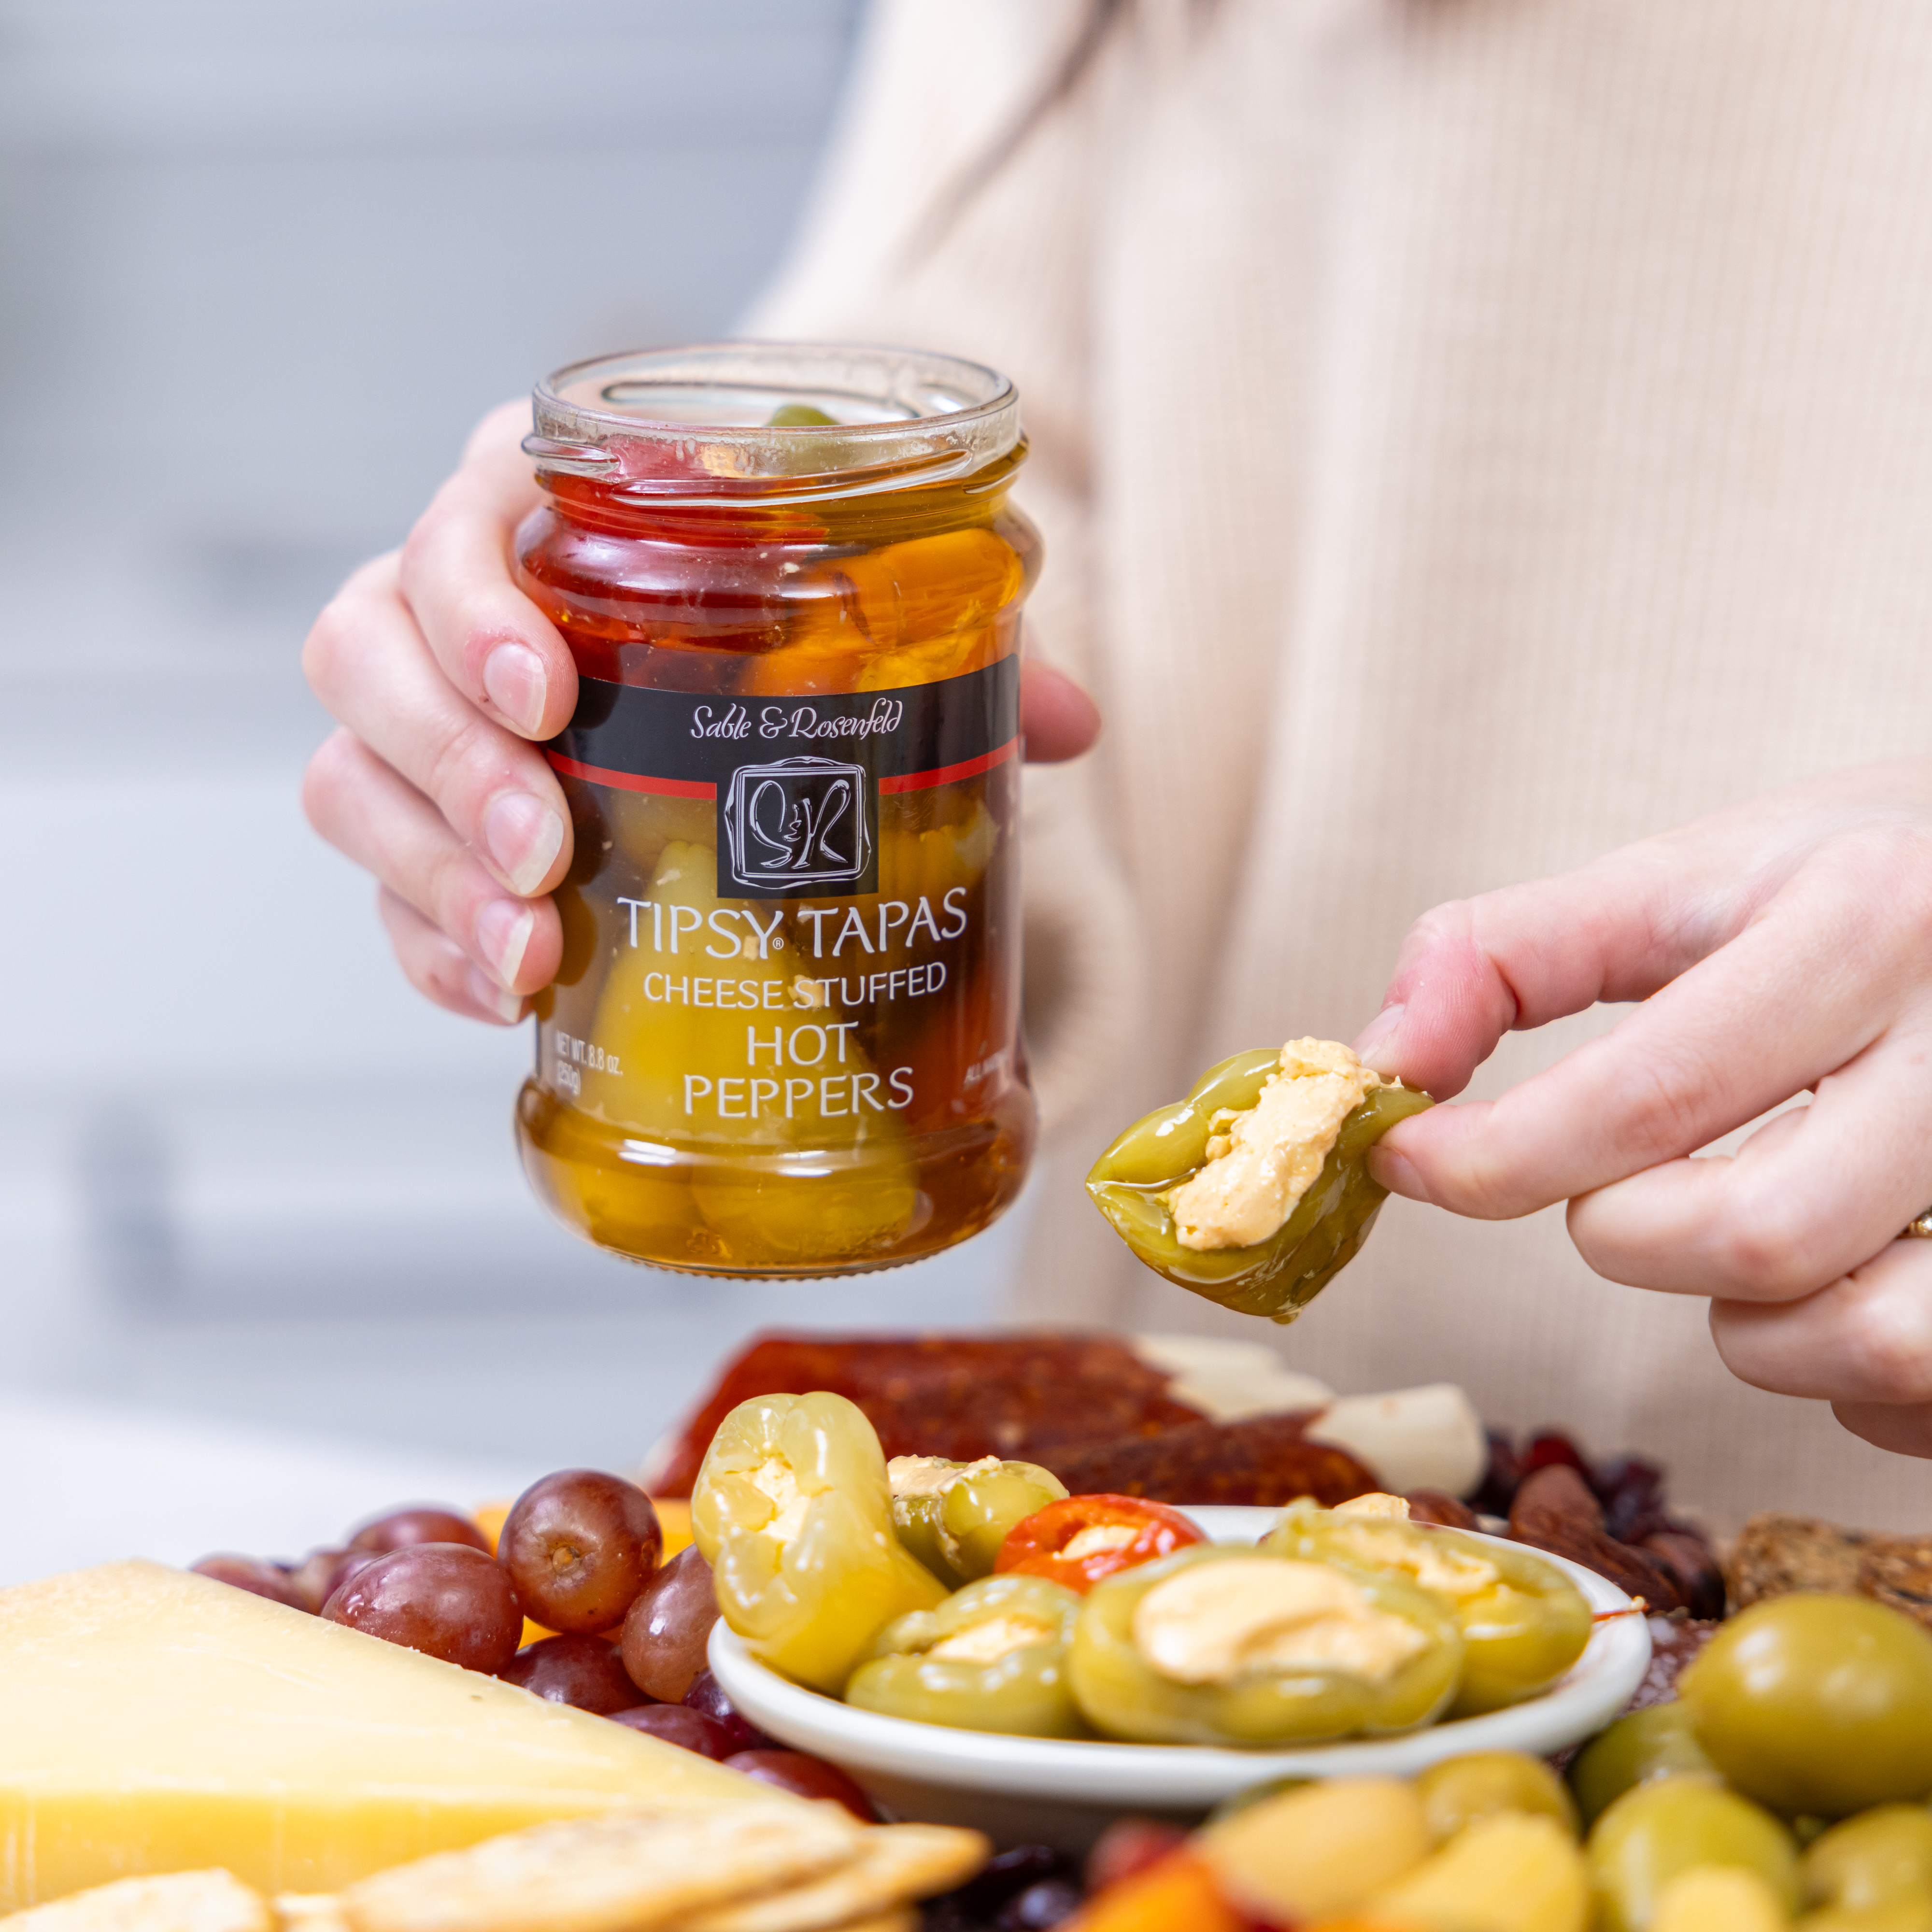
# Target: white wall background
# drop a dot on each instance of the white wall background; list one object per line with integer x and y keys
{"x": 263, "y": 1243}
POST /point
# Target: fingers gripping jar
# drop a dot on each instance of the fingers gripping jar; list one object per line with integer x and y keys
{"x": 785, "y": 1039}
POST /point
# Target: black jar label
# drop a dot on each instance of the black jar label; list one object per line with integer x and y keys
{"x": 796, "y": 779}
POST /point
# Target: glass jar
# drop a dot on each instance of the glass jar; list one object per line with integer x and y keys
{"x": 785, "y": 1039}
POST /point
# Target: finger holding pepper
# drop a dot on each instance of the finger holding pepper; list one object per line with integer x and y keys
{"x": 793, "y": 1509}
{"x": 1298, "y": 1200}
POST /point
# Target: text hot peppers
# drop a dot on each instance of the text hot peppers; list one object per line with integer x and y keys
{"x": 785, "y": 1037}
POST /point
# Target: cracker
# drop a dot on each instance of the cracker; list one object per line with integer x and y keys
{"x": 894, "y": 1863}
{"x": 1897, "y": 1570}
{"x": 190, "y": 1901}
{"x": 620, "y": 1871}
{"x": 1775, "y": 1554}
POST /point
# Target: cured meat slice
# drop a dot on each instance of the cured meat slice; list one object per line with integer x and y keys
{"x": 1264, "y": 1459}
{"x": 1026, "y": 1397}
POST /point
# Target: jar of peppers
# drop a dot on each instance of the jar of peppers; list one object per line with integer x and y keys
{"x": 784, "y": 1038}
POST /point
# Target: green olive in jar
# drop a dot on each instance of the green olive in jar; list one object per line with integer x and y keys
{"x": 1481, "y": 1784}
{"x": 1816, "y": 1703}
{"x": 1638, "y": 1748}
{"x": 1255, "y": 1190}
{"x": 1651, "y": 1834}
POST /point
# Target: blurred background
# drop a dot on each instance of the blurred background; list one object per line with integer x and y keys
{"x": 267, "y": 1261}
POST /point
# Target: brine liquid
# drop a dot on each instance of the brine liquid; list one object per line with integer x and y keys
{"x": 785, "y": 1039}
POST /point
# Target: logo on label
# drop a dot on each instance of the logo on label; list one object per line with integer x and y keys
{"x": 800, "y": 822}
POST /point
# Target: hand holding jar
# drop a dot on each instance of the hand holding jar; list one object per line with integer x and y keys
{"x": 446, "y": 677}
{"x": 777, "y": 985}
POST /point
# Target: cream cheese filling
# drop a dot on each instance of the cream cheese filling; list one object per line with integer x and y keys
{"x": 995, "y": 1637}
{"x": 1249, "y": 1616}
{"x": 777, "y": 1481}
{"x": 1436, "y": 1565}
{"x": 927, "y": 1475}
{"x": 1097, "y": 1539}
{"x": 1261, "y": 1161}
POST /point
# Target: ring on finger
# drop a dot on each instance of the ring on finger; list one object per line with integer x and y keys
{"x": 1919, "y": 1228}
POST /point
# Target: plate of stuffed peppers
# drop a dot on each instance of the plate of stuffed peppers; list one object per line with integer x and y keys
{"x": 973, "y": 1644}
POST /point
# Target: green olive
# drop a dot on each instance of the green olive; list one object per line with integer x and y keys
{"x": 1479, "y": 1784}
{"x": 1817, "y": 1703}
{"x": 1651, "y": 1834}
{"x": 1883, "y": 1853}
{"x": 799, "y": 416}
{"x": 1638, "y": 1748}
{"x": 1909, "y": 1912}
{"x": 1255, "y": 1794}
{"x": 1277, "y": 1277}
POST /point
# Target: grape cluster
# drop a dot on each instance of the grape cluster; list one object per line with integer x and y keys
{"x": 581, "y": 1554}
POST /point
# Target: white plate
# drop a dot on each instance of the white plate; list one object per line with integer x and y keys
{"x": 1050, "y": 1790}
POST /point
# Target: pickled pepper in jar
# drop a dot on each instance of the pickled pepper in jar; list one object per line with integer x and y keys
{"x": 784, "y": 1038}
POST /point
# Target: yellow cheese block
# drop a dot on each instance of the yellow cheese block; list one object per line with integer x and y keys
{"x": 153, "y": 1720}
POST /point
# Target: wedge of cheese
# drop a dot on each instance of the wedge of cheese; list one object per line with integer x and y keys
{"x": 152, "y": 1720}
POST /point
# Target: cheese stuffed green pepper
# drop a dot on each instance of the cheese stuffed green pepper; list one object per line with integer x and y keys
{"x": 991, "y": 1658}
{"x": 1255, "y": 1190}
{"x": 1220, "y": 1645}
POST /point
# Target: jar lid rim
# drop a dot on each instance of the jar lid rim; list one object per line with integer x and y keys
{"x": 693, "y": 421}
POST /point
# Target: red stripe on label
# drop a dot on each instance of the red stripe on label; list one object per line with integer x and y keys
{"x": 630, "y": 782}
{"x": 970, "y": 769}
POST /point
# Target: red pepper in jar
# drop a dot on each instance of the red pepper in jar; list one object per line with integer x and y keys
{"x": 1080, "y": 1540}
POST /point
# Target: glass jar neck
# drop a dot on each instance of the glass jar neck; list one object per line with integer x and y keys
{"x": 880, "y": 516}
{"x": 763, "y": 424}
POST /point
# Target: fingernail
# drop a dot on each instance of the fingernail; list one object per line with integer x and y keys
{"x": 1376, "y": 1035}
{"x": 492, "y": 998}
{"x": 513, "y": 675}
{"x": 524, "y": 835}
{"x": 502, "y": 931}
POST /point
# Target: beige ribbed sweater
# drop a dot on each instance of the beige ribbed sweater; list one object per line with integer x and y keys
{"x": 1469, "y": 434}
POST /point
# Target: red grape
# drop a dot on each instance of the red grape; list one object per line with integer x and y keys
{"x": 677, "y": 1724}
{"x": 666, "y": 1628}
{"x": 707, "y": 1694}
{"x": 579, "y": 1546}
{"x": 258, "y": 1578}
{"x": 423, "y": 1522}
{"x": 322, "y": 1572}
{"x": 809, "y": 1776}
{"x": 443, "y": 1599}
{"x": 584, "y": 1671}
